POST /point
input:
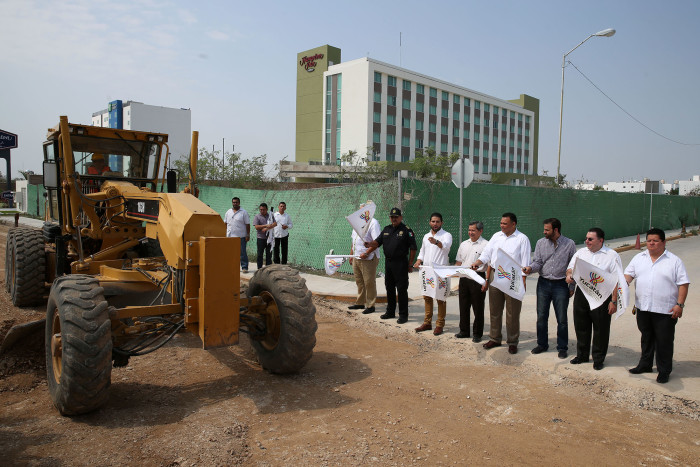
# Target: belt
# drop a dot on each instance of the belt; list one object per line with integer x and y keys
{"x": 553, "y": 280}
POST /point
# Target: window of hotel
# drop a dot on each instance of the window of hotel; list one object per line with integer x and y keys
{"x": 503, "y": 140}
{"x": 445, "y": 95}
{"x": 392, "y": 81}
{"x": 527, "y": 159}
{"x": 466, "y": 117}
{"x": 433, "y": 92}
{"x": 419, "y": 125}
{"x": 503, "y": 126}
{"x": 476, "y": 167}
{"x": 443, "y": 147}
{"x": 527, "y": 119}
{"x": 378, "y": 97}
{"x": 391, "y": 119}
{"x": 487, "y": 122}
{"x": 510, "y": 169}
{"x": 391, "y": 100}
{"x": 495, "y": 110}
{"x": 405, "y": 158}
{"x": 486, "y": 137}
{"x": 433, "y": 110}
{"x": 405, "y": 141}
{"x": 443, "y": 129}
{"x": 406, "y": 104}
{"x": 510, "y": 157}
{"x": 377, "y": 117}
{"x": 390, "y": 139}
{"x": 512, "y": 114}
{"x": 377, "y": 77}
{"x": 520, "y": 117}
{"x": 406, "y": 122}
{"x": 486, "y": 153}
{"x": 510, "y": 143}
{"x": 455, "y": 115}
{"x": 487, "y": 108}
{"x": 467, "y": 102}
{"x": 527, "y": 132}
{"x": 420, "y": 107}
{"x": 431, "y": 144}
{"x": 455, "y": 132}
{"x": 512, "y": 129}
{"x": 390, "y": 157}
{"x": 527, "y": 145}
{"x": 406, "y": 85}
{"x": 477, "y": 121}
{"x": 520, "y": 130}
{"x": 432, "y": 127}
{"x": 477, "y": 105}
{"x": 477, "y": 136}
{"x": 375, "y": 137}
{"x": 420, "y": 89}
{"x": 444, "y": 112}
{"x": 455, "y": 147}
{"x": 486, "y": 168}
{"x": 520, "y": 144}
{"x": 419, "y": 143}
{"x": 503, "y": 155}
{"x": 495, "y": 123}
{"x": 466, "y": 134}
{"x": 456, "y": 99}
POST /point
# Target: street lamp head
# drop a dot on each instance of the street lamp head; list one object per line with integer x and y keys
{"x": 605, "y": 33}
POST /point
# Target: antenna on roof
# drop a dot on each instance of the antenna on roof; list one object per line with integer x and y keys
{"x": 400, "y": 48}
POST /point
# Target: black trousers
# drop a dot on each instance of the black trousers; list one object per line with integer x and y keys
{"x": 282, "y": 242}
{"x": 263, "y": 247}
{"x": 658, "y": 332}
{"x": 396, "y": 281}
{"x": 589, "y": 322}
{"x": 470, "y": 295}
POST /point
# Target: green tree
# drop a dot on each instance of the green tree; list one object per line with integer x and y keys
{"x": 430, "y": 164}
{"x": 362, "y": 169}
{"x": 233, "y": 171}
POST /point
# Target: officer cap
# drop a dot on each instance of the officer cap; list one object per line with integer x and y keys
{"x": 395, "y": 212}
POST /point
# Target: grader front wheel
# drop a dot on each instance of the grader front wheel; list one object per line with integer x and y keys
{"x": 290, "y": 319}
{"x": 78, "y": 345}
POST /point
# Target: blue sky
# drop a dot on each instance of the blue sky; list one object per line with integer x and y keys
{"x": 234, "y": 64}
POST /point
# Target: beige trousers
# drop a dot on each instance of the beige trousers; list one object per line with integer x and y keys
{"x": 442, "y": 312}
{"x": 365, "y": 271}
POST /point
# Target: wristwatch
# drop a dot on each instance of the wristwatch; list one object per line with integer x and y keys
{"x": 682, "y": 305}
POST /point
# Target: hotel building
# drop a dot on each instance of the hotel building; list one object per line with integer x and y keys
{"x": 367, "y": 105}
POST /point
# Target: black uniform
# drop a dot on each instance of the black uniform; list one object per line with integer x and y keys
{"x": 397, "y": 241}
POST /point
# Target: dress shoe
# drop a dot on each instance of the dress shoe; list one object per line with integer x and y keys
{"x": 367, "y": 311}
{"x": 461, "y": 335}
{"x": 424, "y": 327}
{"x": 512, "y": 349}
{"x": 388, "y": 315}
{"x": 476, "y": 339}
{"x": 539, "y": 349}
{"x": 639, "y": 370}
{"x": 563, "y": 354}
{"x": 402, "y": 319}
{"x": 491, "y": 344}
{"x": 438, "y": 330}
{"x": 576, "y": 361}
{"x": 663, "y": 379}
{"x": 356, "y": 307}
{"x": 598, "y": 366}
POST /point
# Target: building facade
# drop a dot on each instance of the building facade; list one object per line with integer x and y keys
{"x": 387, "y": 113}
{"x": 176, "y": 123}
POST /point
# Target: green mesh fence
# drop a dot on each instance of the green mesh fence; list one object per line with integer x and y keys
{"x": 319, "y": 224}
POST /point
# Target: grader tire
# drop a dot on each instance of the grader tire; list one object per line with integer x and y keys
{"x": 78, "y": 345}
{"x": 8, "y": 259}
{"x": 290, "y": 317}
{"x": 27, "y": 267}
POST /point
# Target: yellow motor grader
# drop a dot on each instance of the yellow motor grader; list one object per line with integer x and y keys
{"x": 129, "y": 266}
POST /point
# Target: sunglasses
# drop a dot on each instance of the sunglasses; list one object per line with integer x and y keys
{"x": 591, "y": 239}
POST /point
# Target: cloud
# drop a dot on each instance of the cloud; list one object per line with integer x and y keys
{"x": 186, "y": 16}
{"x": 218, "y": 35}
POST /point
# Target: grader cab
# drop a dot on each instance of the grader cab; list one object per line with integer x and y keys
{"x": 126, "y": 267}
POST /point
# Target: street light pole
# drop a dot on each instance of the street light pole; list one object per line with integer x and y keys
{"x": 603, "y": 33}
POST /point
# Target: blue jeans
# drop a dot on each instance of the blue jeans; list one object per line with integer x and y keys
{"x": 557, "y": 293}
{"x": 244, "y": 254}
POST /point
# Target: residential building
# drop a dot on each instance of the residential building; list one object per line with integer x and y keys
{"x": 686, "y": 186}
{"x": 176, "y": 123}
{"x": 388, "y": 113}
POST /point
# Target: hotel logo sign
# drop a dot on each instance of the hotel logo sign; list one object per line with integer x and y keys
{"x": 309, "y": 63}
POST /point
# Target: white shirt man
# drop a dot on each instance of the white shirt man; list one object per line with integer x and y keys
{"x": 238, "y": 225}
{"x": 660, "y": 294}
{"x": 434, "y": 251}
{"x": 281, "y": 233}
{"x": 517, "y": 245}
{"x": 365, "y": 268}
{"x": 593, "y": 323}
{"x": 470, "y": 293}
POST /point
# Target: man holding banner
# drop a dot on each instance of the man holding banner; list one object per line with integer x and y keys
{"x": 470, "y": 293}
{"x": 434, "y": 250}
{"x": 507, "y": 253}
{"x": 596, "y": 270}
{"x": 660, "y": 294}
{"x": 365, "y": 267}
{"x": 398, "y": 241}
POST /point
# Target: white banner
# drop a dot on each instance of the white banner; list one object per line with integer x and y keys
{"x": 622, "y": 293}
{"x": 597, "y": 285}
{"x": 433, "y": 285}
{"x": 458, "y": 271}
{"x": 360, "y": 219}
{"x": 333, "y": 262}
{"x": 508, "y": 276}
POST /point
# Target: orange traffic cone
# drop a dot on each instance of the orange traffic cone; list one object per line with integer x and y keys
{"x": 637, "y": 245}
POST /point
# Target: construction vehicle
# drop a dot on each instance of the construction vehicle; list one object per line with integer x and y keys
{"x": 129, "y": 266}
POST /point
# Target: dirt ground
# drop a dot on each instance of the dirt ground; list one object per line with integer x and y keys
{"x": 371, "y": 394}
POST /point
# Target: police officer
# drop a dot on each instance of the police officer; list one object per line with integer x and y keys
{"x": 398, "y": 241}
